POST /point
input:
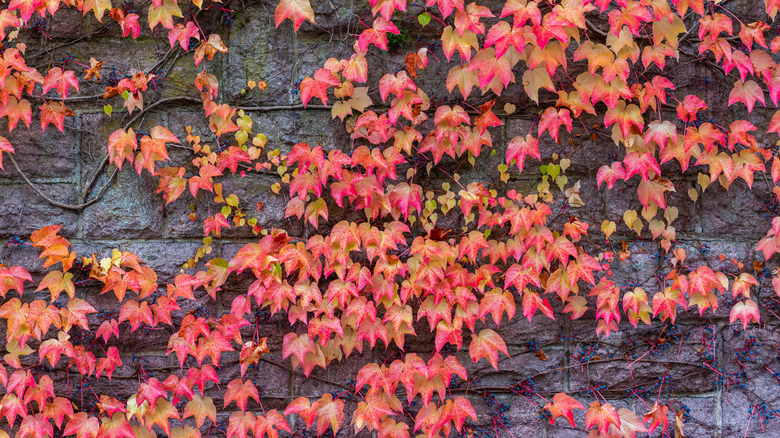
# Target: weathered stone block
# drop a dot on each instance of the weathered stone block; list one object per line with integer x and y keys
{"x": 23, "y": 211}
{"x": 633, "y": 359}
{"x": 49, "y": 154}
{"x": 129, "y": 208}
{"x": 258, "y": 53}
{"x": 736, "y": 213}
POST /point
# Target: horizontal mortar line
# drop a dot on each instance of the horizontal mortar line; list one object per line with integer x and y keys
{"x": 708, "y": 394}
{"x": 162, "y": 240}
{"x": 678, "y": 394}
{"x": 277, "y": 107}
{"x": 165, "y": 108}
{"x": 523, "y": 348}
{"x": 148, "y": 353}
{"x": 6, "y": 181}
{"x": 536, "y": 177}
{"x": 264, "y": 108}
{"x": 245, "y": 240}
{"x": 687, "y": 240}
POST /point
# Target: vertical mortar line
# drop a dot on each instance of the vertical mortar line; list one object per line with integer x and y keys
{"x": 719, "y": 399}
{"x": 566, "y": 350}
{"x": 564, "y": 388}
{"x": 375, "y": 359}
{"x": 165, "y": 233}
{"x": 223, "y": 64}
{"x": 504, "y": 130}
{"x": 291, "y": 394}
{"x": 698, "y": 209}
{"x": 294, "y": 67}
{"x": 218, "y": 294}
{"x": 77, "y": 176}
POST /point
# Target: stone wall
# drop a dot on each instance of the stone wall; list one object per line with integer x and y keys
{"x": 551, "y": 355}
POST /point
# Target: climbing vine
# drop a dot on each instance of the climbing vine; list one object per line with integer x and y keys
{"x": 425, "y": 221}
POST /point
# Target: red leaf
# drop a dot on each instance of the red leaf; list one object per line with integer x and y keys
{"x": 115, "y": 427}
{"x": 54, "y": 112}
{"x": 330, "y": 413}
{"x": 121, "y": 145}
{"x": 182, "y": 33}
{"x": 745, "y": 311}
{"x": 519, "y": 148}
{"x": 562, "y": 406}
{"x": 459, "y": 410}
{"x": 552, "y": 120}
{"x": 295, "y": 10}
{"x": 495, "y": 303}
{"x": 370, "y": 413}
{"x": 61, "y": 81}
{"x": 659, "y": 416}
{"x": 748, "y": 93}
{"x": 241, "y": 392}
{"x": 82, "y": 425}
{"x": 487, "y": 345}
{"x": 407, "y": 198}
{"x": 601, "y": 417}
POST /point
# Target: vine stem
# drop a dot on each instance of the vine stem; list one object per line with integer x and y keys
{"x": 104, "y": 162}
{"x": 291, "y": 370}
{"x": 51, "y": 201}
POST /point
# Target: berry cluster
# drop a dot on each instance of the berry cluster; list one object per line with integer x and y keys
{"x": 113, "y": 77}
{"x": 524, "y": 388}
{"x": 771, "y": 208}
{"x": 748, "y": 352}
{"x": 702, "y": 84}
{"x": 127, "y": 7}
{"x": 38, "y": 24}
{"x": 763, "y": 413}
{"x": 498, "y": 409}
{"x": 585, "y": 354}
{"x": 15, "y": 241}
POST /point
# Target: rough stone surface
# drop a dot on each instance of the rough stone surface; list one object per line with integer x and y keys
{"x": 697, "y": 354}
{"x": 42, "y": 154}
{"x": 21, "y": 213}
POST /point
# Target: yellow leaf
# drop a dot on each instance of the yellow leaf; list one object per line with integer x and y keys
{"x": 629, "y": 217}
{"x": 608, "y": 227}
{"x": 704, "y": 181}
{"x": 535, "y": 79}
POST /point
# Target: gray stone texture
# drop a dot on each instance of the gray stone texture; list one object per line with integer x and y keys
{"x": 557, "y": 355}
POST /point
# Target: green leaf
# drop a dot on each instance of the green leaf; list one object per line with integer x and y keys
{"x": 125, "y": 94}
{"x": 108, "y": 109}
{"x": 232, "y": 200}
{"x": 553, "y": 170}
{"x": 424, "y": 18}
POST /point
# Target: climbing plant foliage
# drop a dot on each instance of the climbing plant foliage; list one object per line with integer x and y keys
{"x": 372, "y": 269}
